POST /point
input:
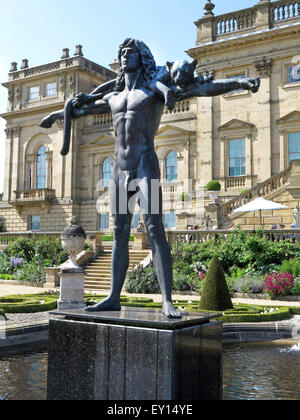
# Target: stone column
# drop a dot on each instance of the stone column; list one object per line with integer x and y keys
{"x": 12, "y": 170}
{"x": 8, "y": 164}
{"x": 264, "y": 131}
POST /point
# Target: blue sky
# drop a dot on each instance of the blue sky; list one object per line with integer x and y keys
{"x": 39, "y": 29}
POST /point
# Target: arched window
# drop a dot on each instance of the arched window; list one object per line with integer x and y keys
{"x": 106, "y": 172}
{"x": 172, "y": 166}
{"x": 41, "y": 168}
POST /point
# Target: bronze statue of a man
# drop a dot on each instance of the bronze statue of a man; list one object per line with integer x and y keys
{"x": 137, "y": 109}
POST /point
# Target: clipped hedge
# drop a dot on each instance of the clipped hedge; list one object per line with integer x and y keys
{"x": 28, "y": 303}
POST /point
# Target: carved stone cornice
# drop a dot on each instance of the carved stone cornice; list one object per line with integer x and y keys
{"x": 264, "y": 67}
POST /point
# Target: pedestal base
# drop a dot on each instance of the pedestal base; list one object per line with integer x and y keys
{"x": 71, "y": 290}
{"x": 135, "y": 354}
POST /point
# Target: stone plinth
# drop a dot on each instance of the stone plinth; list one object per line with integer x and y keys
{"x": 141, "y": 241}
{"x": 71, "y": 290}
{"x": 134, "y": 354}
{"x": 52, "y": 277}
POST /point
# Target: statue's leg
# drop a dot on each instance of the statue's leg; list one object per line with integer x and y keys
{"x": 120, "y": 252}
{"x": 119, "y": 264}
{"x": 162, "y": 262}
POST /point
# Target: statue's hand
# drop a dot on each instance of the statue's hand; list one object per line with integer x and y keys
{"x": 252, "y": 84}
{"x": 48, "y": 121}
{"x": 82, "y": 99}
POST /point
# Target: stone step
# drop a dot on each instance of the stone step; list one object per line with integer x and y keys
{"x": 97, "y": 283}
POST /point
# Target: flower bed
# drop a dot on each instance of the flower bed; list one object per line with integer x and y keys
{"x": 279, "y": 284}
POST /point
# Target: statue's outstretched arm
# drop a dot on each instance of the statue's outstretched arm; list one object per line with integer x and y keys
{"x": 70, "y": 112}
{"x": 217, "y": 87}
{"x": 97, "y": 94}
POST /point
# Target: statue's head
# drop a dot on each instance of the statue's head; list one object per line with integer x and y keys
{"x": 132, "y": 55}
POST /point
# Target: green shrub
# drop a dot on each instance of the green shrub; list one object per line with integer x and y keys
{"x": 31, "y": 273}
{"x": 291, "y": 266}
{"x": 5, "y": 264}
{"x": 215, "y": 295}
{"x": 213, "y": 186}
{"x": 41, "y": 302}
{"x": 6, "y": 277}
{"x": 296, "y": 287}
{"x": 142, "y": 280}
{"x": 239, "y": 250}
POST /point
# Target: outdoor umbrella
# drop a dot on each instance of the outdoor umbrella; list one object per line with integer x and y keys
{"x": 258, "y": 205}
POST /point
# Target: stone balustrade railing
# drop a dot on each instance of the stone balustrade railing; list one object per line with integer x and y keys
{"x": 201, "y": 236}
{"x": 44, "y": 194}
{"x": 235, "y": 182}
{"x": 181, "y": 106}
{"x": 103, "y": 119}
{"x": 60, "y": 65}
{"x": 234, "y": 22}
{"x": 106, "y": 119}
{"x": 261, "y": 16}
{"x": 283, "y": 10}
{"x": 260, "y": 190}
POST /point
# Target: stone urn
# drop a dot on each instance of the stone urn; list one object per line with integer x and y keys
{"x": 73, "y": 239}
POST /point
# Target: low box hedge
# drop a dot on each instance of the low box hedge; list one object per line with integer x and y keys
{"x": 28, "y": 303}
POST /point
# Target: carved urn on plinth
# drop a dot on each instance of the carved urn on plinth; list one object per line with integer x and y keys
{"x": 73, "y": 239}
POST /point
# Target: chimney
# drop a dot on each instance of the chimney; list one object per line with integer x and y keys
{"x": 78, "y": 51}
{"x": 14, "y": 67}
{"x": 24, "y": 64}
{"x": 66, "y": 53}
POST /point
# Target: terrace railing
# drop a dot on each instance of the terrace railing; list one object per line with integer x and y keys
{"x": 261, "y": 16}
{"x": 201, "y": 236}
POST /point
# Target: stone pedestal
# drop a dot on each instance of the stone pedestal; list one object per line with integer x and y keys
{"x": 135, "y": 354}
{"x": 71, "y": 289}
{"x": 141, "y": 241}
{"x": 52, "y": 277}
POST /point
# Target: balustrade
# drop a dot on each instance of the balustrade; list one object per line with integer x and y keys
{"x": 292, "y": 235}
{"x": 284, "y": 10}
{"x": 234, "y": 22}
{"x": 261, "y": 190}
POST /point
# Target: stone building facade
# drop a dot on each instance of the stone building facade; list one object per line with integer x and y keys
{"x": 240, "y": 139}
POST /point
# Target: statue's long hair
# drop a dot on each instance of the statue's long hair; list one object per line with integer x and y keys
{"x": 148, "y": 63}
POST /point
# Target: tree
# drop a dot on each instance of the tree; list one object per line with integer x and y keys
{"x": 215, "y": 295}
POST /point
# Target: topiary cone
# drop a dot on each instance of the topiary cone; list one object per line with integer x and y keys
{"x": 215, "y": 295}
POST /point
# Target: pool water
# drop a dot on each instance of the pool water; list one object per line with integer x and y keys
{"x": 261, "y": 371}
{"x": 250, "y": 371}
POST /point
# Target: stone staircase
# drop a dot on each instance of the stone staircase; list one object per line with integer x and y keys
{"x": 283, "y": 188}
{"x": 98, "y": 272}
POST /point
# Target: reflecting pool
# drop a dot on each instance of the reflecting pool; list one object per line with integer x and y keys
{"x": 260, "y": 371}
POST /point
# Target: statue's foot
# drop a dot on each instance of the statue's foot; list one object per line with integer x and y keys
{"x": 47, "y": 122}
{"x": 106, "y": 305}
{"x": 170, "y": 311}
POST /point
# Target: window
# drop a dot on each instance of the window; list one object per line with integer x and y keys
{"x": 170, "y": 220}
{"x": 104, "y": 221}
{"x": 35, "y": 223}
{"x": 41, "y": 168}
{"x": 50, "y": 89}
{"x": 135, "y": 221}
{"x": 34, "y": 93}
{"x": 293, "y": 74}
{"x": 294, "y": 146}
{"x": 172, "y": 167}
{"x": 106, "y": 172}
{"x": 29, "y": 176}
{"x": 236, "y": 156}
